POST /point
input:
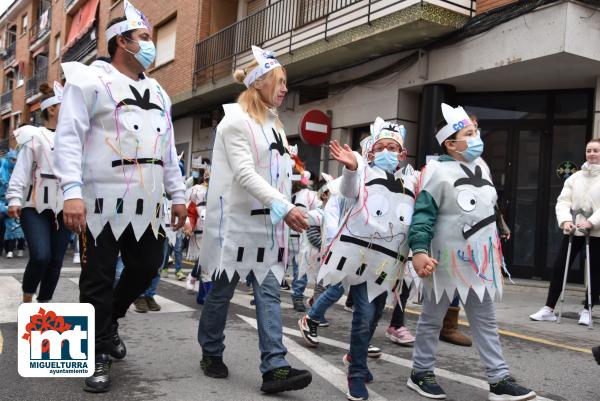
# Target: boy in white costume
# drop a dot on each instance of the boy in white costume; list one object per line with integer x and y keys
{"x": 456, "y": 248}
{"x": 34, "y": 195}
{"x": 115, "y": 152}
{"x": 248, "y": 217}
{"x": 371, "y": 247}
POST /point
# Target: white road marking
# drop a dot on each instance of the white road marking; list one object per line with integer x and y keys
{"x": 318, "y": 365}
{"x": 22, "y": 270}
{"x": 12, "y": 295}
{"x": 166, "y": 305}
{"x": 457, "y": 377}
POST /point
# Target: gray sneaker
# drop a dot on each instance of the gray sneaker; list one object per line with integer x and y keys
{"x": 152, "y": 305}
{"x": 299, "y": 305}
{"x": 141, "y": 305}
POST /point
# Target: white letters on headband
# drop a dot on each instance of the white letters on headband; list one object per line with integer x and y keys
{"x": 135, "y": 20}
{"x": 456, "y": 119}
{"x": 266, "y": 62}
{"x": 56, "y": 99}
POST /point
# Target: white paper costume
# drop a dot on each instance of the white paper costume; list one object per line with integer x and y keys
{"x": 250, "y": 180}
{"x": 197, "y": 196}
{"x": 466, "y": 242}
{"x": 372, "y": 244}
{"x": 115, "y": 146}
{"x": 33, "y": 182}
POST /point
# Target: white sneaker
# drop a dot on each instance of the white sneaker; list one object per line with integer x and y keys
{"x": 20, "y": 253}
{"x": 584, "y": 317}
{"x": 544, "y": 314}
{"x": 190, "y": 284}
{"x": 10, "y": 255}
{"x": 76, "y": 258}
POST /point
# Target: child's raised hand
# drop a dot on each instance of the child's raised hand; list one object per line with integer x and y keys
{"x": 423, "y": 264}
{"x": 344, "y": 155}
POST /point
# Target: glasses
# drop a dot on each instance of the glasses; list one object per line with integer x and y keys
{"x": 392, "y": 147}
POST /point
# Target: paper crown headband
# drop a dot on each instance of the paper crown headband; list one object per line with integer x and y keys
{"x": 197, "y": 164}
{"x": 266, "y": 62}
{"x": 381, "y": 129}
{"x": 366, "y": 145}
{"x": 331, "y": 184}
{"x": 456, "y": 119}
{"x": 56, "y": 99}
{"x": 135, "y": 20}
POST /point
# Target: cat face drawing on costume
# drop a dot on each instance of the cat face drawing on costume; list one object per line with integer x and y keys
{"x": 141, "y": 118}
{"x": 387, "y": 212}
{"x": 476, "y": 197}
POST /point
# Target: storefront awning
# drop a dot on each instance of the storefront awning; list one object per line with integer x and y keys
{"x": 81, "y": 22}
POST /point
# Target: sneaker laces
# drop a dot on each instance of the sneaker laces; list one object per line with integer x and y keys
{"x": 281, "y": 373}
{"x": 429, "y": 378}
{"x": 101, "y": 368}
{"x": 312, "y": 327}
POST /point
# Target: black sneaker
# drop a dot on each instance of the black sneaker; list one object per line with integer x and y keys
{"x": 285, "y": 379}
{"x": 596, "y": 353}
{"x": 506, "y": 390}
{"x": 309, "y": 329}
{"x": 152, "y": 305}
{"x": 140, "y": 305}
{"x": 299, "y": 305}
{"x": 118, "y": 349}
{"x": 213, "y": 366}
{"x": 99, "y": 382}
{"x": 426, "y": 385}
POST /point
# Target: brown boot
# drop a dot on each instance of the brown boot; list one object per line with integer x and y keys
{"x": 27, "y": 298}
{"x": 450, "y": 333}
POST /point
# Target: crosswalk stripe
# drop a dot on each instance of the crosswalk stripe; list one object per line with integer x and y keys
{"x": 167, "y": 306}
{"x": 22, "y": 270}
{"x": 317, "y": 364}
{"x": 457, "y": 377}
{"x": 11, "y": 291}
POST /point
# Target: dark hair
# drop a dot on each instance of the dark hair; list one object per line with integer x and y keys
{"x": 112, "y": 43}
{"x": 441, "y": 124}
{"x": 47, "y": 93}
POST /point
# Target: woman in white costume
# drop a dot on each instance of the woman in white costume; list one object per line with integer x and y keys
{"x": 248, "y": 214}
{"x": 34, "y": 195}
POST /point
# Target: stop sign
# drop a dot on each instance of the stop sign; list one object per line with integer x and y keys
{"x": 315, "y": 128}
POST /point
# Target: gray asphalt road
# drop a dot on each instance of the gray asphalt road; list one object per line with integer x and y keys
{"x": 163, "y": 358}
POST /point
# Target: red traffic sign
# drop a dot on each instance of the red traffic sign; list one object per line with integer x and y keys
{"x": 315, "y": 128}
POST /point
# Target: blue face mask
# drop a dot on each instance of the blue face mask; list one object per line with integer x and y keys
{"x": 195, "y": 174}
{"x": 145, "y": 56}
{"x": 474, "y": 149}
{"x": 386, "y": 160}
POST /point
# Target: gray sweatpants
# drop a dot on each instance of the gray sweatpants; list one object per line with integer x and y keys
{"x": 482, "y": 320}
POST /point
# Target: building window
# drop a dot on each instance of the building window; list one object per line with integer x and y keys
{"x": 20, "y": 79}
{"x": 165, "y": 42}
{"x": 24, "y": 24}
{"x": 57, "y": 46}
{"x": 16, "y": 121}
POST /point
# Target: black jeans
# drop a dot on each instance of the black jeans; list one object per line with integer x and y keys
{"x": 48, "y": 239}
{"x": 98, "y": 265}
{"x": 559, "y": 268}
{"x": 11, "y": 244}
{"x": 398, "y": 315}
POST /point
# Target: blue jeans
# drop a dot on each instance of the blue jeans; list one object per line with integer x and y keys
{"x": 151, "y": 291}
{"x": 364, "y": 322}
{"x": 268, "y": 315}
{"x": 178, "y": 251}
{"x": 118, "y": 270}
{"x": 47, "y": 247}
{"x": 298, "y": 283}
{"x": 331, "y": 295}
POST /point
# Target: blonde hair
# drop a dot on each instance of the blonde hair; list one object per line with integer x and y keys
{"x": 594, "y": 140}
{"x": 250, "y": 99}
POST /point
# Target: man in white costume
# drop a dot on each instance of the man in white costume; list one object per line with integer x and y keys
{"x": 114, "y": 153}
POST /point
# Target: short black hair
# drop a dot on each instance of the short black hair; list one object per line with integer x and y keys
{"x": 441, "y": 124}
{"x": 112, "y": 43}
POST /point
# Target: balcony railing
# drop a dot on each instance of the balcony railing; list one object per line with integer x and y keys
{"x": 33, "y": 83}
{"x": 10, "y": 54}
{"x": 39, "y": 30}
{"x": 69, "y": 3}
{"x": 287, "y": 25}
{"x": 83, "y": 47}
{"x": 6, "y": 102}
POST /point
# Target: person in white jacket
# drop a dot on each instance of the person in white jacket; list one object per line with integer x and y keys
{"x": 115, "y": 157}
{"x": 581, "y": 192}
{"x": 34, "y": 196}
{"x": 248, "y": 217}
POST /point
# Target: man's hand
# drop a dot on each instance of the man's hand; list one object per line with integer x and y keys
{"x": 178, "y": 216}
{"x": 187, "y": 229}
{"x": 344, "y": 155}
{"x": 297, "y": 220}
{"x": 423, "y": 264}
{"x": 14, "y": 212}
{"x": 74, "y": 215}
{"x": 583, "y": 226}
